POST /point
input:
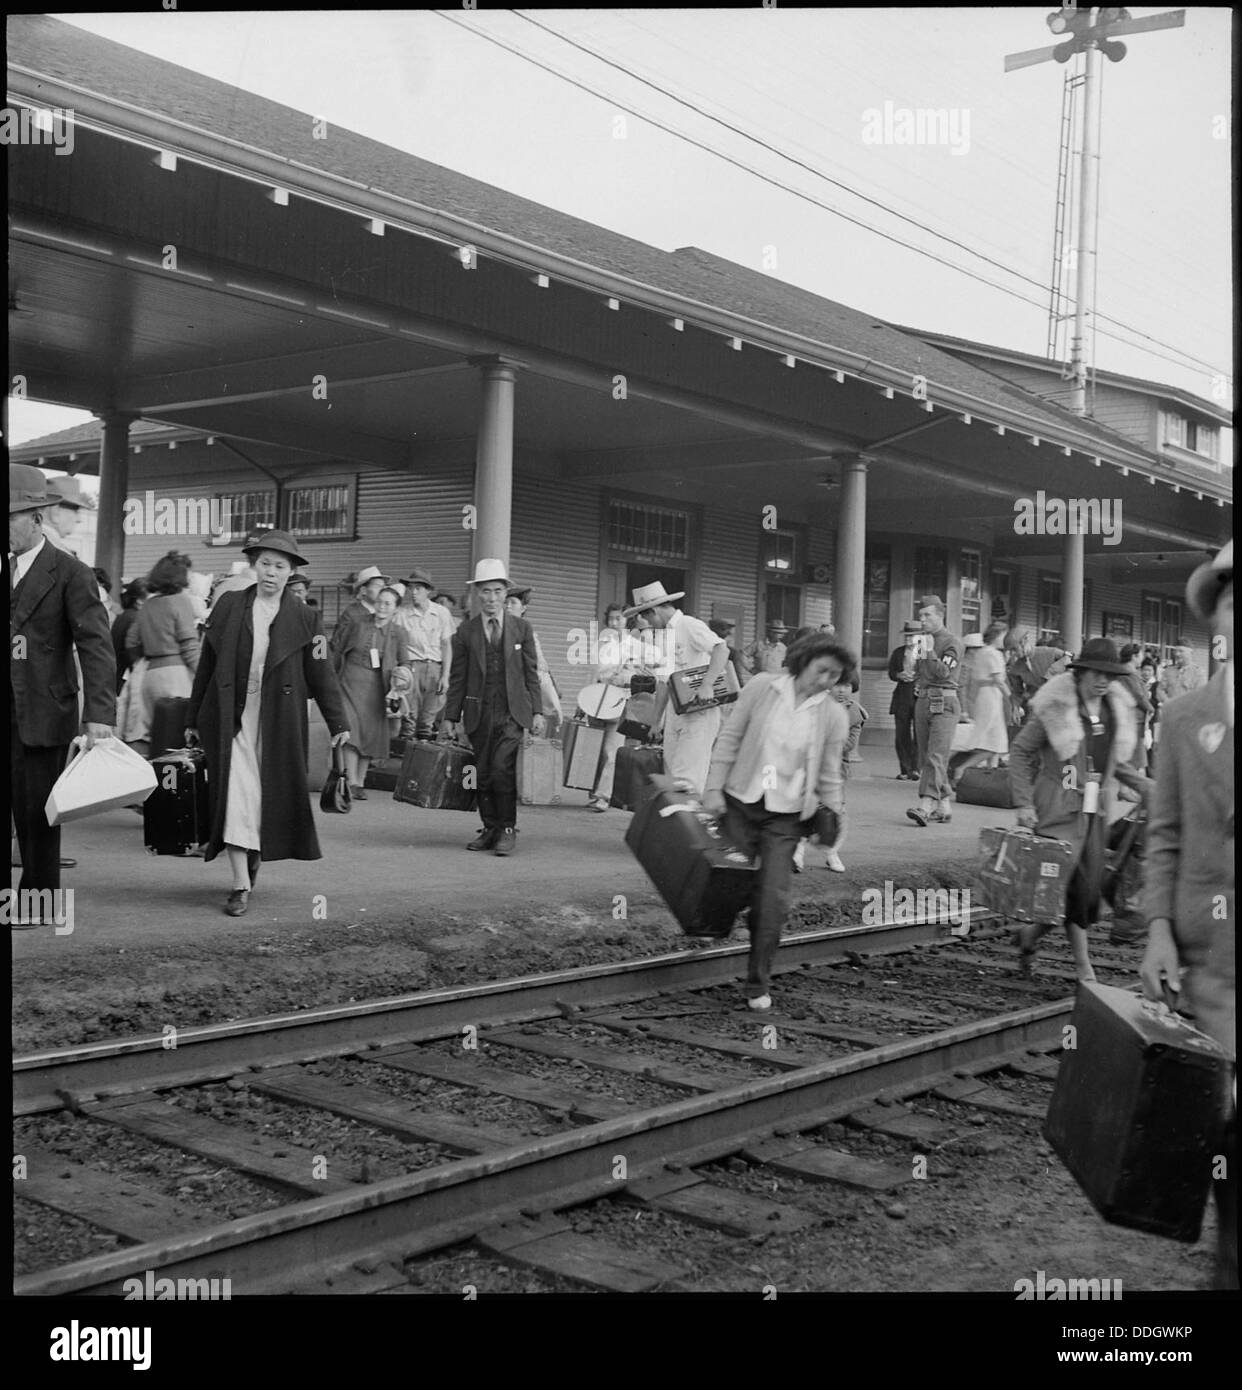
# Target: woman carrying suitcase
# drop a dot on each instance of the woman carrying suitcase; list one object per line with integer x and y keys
{"x": 775, "y": 772}
{"x": 263, "y": 656}
{"x": 1064, "y": 768}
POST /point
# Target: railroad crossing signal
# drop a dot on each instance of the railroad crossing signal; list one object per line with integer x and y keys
{"x": 1082, "y": 31}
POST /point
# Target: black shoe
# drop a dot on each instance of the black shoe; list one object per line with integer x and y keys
{"x": 238, "y": 901}
{"x": 506, "y": 840}
{"x": 485, "y": 839}
{"x": 254, "y": 858}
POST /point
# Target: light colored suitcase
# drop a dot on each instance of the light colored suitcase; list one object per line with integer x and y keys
{"x": 539, "y": 771}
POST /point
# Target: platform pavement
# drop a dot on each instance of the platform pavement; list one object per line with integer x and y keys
{"x": 386, "y": 858}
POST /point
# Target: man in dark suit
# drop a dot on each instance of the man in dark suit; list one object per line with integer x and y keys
{"x": 901, "y": 671}
{"x": 54, "y": 609}
{"x": 493, "y": 696}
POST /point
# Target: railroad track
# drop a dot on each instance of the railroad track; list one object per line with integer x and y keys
{"x": 518, "y": 1101}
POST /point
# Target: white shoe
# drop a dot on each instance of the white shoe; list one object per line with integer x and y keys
{"x": 799, "y": 856}
{"x": 833, "y": 861}
{"x": 759, "y": 1005}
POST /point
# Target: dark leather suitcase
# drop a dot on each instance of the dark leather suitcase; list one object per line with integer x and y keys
{"x": 630, "y": 782}
{"x": 175, "y": 815}
{"x": 437, "y": 776}
{"x": 1024, "y": 876}
{"x": 985, "y": 786}
{"x": 168, "y": 723}
{"x": 584, "y": 752}
{"x": 638, "y": 716}
{"x": 684, "y": 687}
{"x": 705, "y": 880}
{"x": 1138, "y": 1112}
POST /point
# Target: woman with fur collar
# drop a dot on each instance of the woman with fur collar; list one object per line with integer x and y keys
{"x": 1064, "y": 769}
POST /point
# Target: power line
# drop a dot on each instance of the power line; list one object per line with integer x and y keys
{"x": 1186, "y": 358}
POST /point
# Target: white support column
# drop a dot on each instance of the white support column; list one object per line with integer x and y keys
{"x": 493, "y": 472}
{"x": 1072, "y": 584}
{"x": 850, "y": 573}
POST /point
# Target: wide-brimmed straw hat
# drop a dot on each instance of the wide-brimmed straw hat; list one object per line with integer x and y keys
{"x": 651, "y": 596}
{"x": 280, "y": 541}
{"x": 1204, "y": 585}
{"x": 1100, "y": 654}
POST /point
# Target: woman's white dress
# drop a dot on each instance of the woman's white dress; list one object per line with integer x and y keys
{"x": 991, "y": 734}
{"x": 243, "y": 812}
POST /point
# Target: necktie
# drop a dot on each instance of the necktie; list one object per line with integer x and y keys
{"x": 493, "y": 632}
{"x": 12, "y": 571}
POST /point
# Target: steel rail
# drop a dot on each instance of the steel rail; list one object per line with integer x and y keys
{"x": 409, "y": 1215}
{"x": 52, "y": 1080}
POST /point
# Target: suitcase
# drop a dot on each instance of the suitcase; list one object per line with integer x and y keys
{"x": 985, "y": 786}
{"x": 318, "y": 749}
{"x": 584, "y": 752}
{"x": 704, "y": 880}
{"x": 168, "y": 721}
{"x": 683, "y": 686}
{"x": 631, "y": 784}
{"x": 383, "y": 775}
{"x": 539, "y": 771}
{"x": 1138, "y": 1111}
{"x": 638, "y": 716}
{"x": 437, "y": 776}
{"x": 1024, "y": 876}
{"x": 175, "y": 817}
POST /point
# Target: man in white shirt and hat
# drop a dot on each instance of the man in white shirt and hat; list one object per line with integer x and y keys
{"x": 688, "y": 737}
{"x": 65, "y": 512}
{"x": 428, "y": 655}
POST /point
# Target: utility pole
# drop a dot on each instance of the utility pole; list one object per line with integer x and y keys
{"x": 1090, "y": 32}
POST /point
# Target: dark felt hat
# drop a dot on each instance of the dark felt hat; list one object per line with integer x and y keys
{"x": 1100, "y": 654}
{"x": 280, "y": 541}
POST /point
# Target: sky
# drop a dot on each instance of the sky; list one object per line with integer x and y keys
{"x": 831, "y": 89}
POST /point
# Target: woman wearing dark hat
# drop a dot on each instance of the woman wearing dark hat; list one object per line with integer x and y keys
{"x": 263, "y": 656}
{"x": 1064, "y": 767}
{"x": 367, "y": 647}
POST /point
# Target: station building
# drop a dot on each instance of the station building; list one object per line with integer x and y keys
{"x": 403, "y": 366}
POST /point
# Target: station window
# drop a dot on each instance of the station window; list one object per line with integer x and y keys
{"x": 322, "y": 510}
{"x": 972, "y": 590}
{"x": 877, "y": 567}
{"x": 658, "y": 532}
{"x": 780, "y": 552}
{"x": 931, "y": 575}
{"x": 250, "y": 512}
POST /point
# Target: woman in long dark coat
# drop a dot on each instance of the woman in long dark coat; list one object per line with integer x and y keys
{"x": 367, "y": 647}
{"x": 1064, "y": 767}
{"x": 263, "y": 655}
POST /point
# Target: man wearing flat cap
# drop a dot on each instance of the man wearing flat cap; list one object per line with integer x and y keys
{"x": 1190, "y": 901}
{"x": 54, "y": 611}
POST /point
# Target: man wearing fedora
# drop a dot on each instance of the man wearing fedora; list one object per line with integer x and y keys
{"x": 1180, "y": 676}
{"x": 901, "y": 671}
{"x": 688, "y": 737}
{"x": 1190, "y": 902}
{"x": 65, "y": 512}
{"x": 429, "y": 654}
{"x": 493, "y": 696}
{"x": 768, "y": 657}
{"x": 299, "y": 586}
{"x": 54, "y": 612}
{"x": 936, "y": 709}
{"x": 366, "y": 585}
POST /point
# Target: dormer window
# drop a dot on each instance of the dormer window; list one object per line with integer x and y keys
{"x": 1194, "y": 436}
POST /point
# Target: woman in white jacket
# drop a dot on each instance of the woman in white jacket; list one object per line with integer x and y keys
{"x": 776, "y": 774}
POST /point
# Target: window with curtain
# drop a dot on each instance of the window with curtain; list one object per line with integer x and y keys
{"x": 970, "y": 575}
{"x": 877, "y": 566}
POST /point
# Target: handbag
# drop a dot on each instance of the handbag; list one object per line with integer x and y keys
{"x": 336, "y": 796}
{"x": 101, "y": 778}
